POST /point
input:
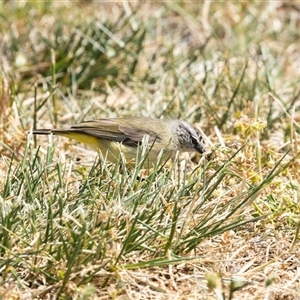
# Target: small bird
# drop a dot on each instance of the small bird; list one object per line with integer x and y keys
{"x": 115, "y": 136}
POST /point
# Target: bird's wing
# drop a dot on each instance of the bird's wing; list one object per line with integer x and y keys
{"x": 116, "y": 130}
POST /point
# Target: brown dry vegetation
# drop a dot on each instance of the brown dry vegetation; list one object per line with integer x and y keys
{"x": 226, "y": 228}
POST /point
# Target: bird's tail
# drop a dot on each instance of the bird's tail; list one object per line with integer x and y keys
{"x": 82, "y": 137}
{"x": 42, "y": 131}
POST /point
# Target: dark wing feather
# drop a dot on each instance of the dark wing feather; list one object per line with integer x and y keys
{"x": 103, "y": 128}
{"x": 116, "y": 130}
{"x": 134, "y": 136}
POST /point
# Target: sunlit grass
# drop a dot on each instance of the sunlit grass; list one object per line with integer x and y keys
{"x": 73, "y": 225}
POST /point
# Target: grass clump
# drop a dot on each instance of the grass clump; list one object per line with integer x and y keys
{"x": 74, "y": 226}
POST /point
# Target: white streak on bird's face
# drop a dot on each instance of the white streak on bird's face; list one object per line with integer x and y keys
{"x": 190, "y": 138}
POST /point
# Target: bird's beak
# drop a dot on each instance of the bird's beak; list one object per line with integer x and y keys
{"x": 200, "y": 149}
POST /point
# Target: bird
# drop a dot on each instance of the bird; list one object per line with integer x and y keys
{"x": 113, "y": 137}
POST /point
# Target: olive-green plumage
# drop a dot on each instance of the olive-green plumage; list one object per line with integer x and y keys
{"x": 113, "y": 137}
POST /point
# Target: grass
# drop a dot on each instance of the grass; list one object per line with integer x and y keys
{"x": 74, "y": 226}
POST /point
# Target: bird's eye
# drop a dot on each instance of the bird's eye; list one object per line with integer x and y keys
{"x": 194, "y": 141}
